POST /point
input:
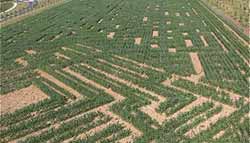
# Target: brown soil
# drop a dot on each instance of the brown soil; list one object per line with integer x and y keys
{"x": 188, "y": 43}
{"x": 30, "y": 52}
{"x": 154, "y": 46}
{"x": 204, "y": 41}
{"x": 10, "y": 102}
{"x": 196, "y": 62}
{"x": 218, "y": 135}
{"x": 111, "y": 35}
{"x": 172, "y": 50}
{"x": 185, "y": 34}
{"x": 155, "y": 34}
{"x": 151, "y": 111}
{"x": 199, "y": 101}
{"x": 218, "y": 40}
{"x": 140, "y": 64}
{"x": 138, "y": 41}
{"x": 59, "y": 83}
{"x": 22, "y": 61}
{"x": 59, "y": 55}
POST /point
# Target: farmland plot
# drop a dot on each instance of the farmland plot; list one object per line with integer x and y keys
{"x": 124, "y": 71}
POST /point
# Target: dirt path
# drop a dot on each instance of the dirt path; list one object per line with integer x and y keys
{"x": 89, "y": 47}
{"x": 59, "y": 55}
{"x": 226, "y": 111}
{"x": 123, "y": 81}
{"x": 243, "y": 58}
{"x": 117, "y": 96}
{"x": 59, "y": 83}
{"x": 218, "y": 135}
{"x": 151, "y": 111}
{"x": 204, "y": 41}
{"x": 220, "y": 43}
{"x": 13, "y": 101}
{"x": 123, "y": 68}
{"x": 140, "y": 64}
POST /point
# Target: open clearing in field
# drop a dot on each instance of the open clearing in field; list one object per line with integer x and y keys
{"x": 189, "y": 43}
{"x": 18, "y": 99}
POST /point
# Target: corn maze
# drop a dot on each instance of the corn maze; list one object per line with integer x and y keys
{"x": 144, "y": 71}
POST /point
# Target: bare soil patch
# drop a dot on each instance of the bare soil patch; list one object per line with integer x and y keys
{"x": 154, "y": 46}
{"x": 155, "y": 34}
{"x": 138, "y": 41}
{"x": 181, "y": 24}
{"x": 172, "y": 50}
{"x": 111, "y": 35}
{"x": 21, "y": 61}
{"x": 59, "y": 55}
{"x": 151, "y": 111}
{"x": 30, "y": 52}
{"x": 196, "y": 62}
{"x": 195, "y": 12}
{"x": 170, "y": 38}
{"x": 218, "y": 135}
{"x": 177, "y": 14}
{"x": 189, "y": 43}
{"x": 204, "y": 41}
{"x": 168, "y": 22}
{"x": 12, "y": 101}
{"x": 169, "y": 31}
{"x": 185, "y": 34}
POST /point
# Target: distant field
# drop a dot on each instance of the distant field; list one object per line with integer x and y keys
{"x": 237, "y": 9}
{"x": 144, "y": 71}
